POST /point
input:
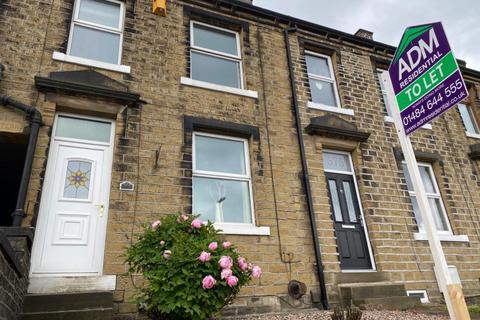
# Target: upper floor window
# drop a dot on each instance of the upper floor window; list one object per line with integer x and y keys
{"x": 215, "y": 55}
{"x": 97, "y": 30}
{"x": 383, "y": 90}
{"x": 323, "y": 87}
{"x": 222, "y": 190}
{"x": 434, "y": 199}
{"x": 469, "y": 121}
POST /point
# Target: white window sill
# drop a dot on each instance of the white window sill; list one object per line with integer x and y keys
{"x": 427, "y": 126}
{"x": 217, "y": 87}
{"x": 242, "y": 229}
{"x": 313, "y": 105}
{"x": 472, "y": 135}
{"x": 443, "y": 237}
{"x": 91, "y": 63}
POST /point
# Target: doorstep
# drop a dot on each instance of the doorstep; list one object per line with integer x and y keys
{"x": 71, "y": 284}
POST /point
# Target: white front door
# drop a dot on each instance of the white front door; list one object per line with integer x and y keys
{"x": 71, "y": 227}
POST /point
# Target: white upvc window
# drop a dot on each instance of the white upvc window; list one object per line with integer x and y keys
{"x": 215, "y": 55}
{"x": 434, "y": 199}
{"x": 469, "y": 121}
{"x": 323, "y": 87}
{"x": 96, "y": 31}
{"x": 222, "y": 183}
{"x": 383, "y": 90}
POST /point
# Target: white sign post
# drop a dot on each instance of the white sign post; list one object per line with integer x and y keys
{"x": 456, "y": 310}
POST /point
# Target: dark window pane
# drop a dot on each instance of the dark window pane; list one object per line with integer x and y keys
{"x": 221, "y": 200}
{"x": 318, "y": 66}
{"x": 219, "y": 155}
{"x": 215, "y": 70}
{"x": 214, "y": 39}
{"x": 95, "y": 44}
{"x": 104, "y": 13}
{"x": 322, "y": 92}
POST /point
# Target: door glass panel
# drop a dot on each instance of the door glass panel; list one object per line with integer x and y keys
{"x": 337, "y": 211}
{"x": 221, "y": 200}
{"x": 83, "y": 129}
{"x": 216, "y": 70}
{"x": 100, "y": 12}
{"x": 317, "y": 66}
{"x": 95, "y": 44}
{"x": 352, "y": 215}
{"x": 77, "y": 179}
{"x": 215, "y": 39}
{"x": 219, "y": 155}
{"x": 336, "y": 162}
{"x": 322, "y": 92}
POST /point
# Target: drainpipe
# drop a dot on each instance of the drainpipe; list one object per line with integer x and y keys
{"x": 35, "y": 120}
{"x": 306, "y": 179}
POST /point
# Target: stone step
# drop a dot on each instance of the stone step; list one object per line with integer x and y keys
{"x": 84, "y": 314}
{"x": 355, "y": 277}
{"x": 354, "y": 291}
{"x": 67, "y": 301}
{"x": 388, "y": 303}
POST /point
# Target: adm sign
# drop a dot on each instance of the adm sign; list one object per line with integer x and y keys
{"x": 425, "y": 76}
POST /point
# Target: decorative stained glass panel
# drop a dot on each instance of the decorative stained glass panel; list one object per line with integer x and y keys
{"x": 77, "y": 179}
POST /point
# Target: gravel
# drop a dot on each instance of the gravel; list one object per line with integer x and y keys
{"x": 367, "y": 315}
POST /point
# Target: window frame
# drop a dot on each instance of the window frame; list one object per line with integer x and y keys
{"x": 414, "y": 293}
{"x": 317, "y": 77}
{"x": 226, "y": 176}
{"x": 86, "y": 24}
{"x": 436, "y": 195}
{"x": 215, "y": 53}
{"x": 384, "y": 93}
{"x": 473, "y": 119}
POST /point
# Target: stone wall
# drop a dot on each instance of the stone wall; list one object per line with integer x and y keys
{"x": 14, "y": 263}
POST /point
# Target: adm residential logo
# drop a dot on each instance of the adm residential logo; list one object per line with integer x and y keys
{"x": 425, "y": 76}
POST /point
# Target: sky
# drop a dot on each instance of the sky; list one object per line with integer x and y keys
{"x": 389, "y": 18}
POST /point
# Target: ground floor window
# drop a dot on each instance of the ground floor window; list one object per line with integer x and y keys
{"x": 222, "y": 188}
{"x": 434, "y": 198}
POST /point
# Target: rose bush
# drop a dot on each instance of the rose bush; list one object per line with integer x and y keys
{"x": 188, "y": 274}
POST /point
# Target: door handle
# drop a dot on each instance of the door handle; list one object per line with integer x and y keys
{"x": 101, "y": 209}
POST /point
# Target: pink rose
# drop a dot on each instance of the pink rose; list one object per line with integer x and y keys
{"x": 167, "y": 254}
{"x": 226, "y": 244}
{"x": 197, "y": 223}
{"x": 182, "y": 218}
{"x": 162, "y": 243}
{"x": 204, "y": 256}
{"x": 156, "y": 224}
{"x": 256, "y": 272}
{"x": 225, "y": 262}
{"x": 213, "y": 246}
{"x": 226, "y": 273}
{"x": 232, "y": 281}
{"x": 242, "y": 263}
{"x": 208, "y": 282}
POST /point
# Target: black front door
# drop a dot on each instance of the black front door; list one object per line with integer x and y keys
{"x": 351, "y": 241}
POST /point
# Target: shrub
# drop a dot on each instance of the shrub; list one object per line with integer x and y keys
{"x": 346, "y": 313}
{"x": 190, "y": 273}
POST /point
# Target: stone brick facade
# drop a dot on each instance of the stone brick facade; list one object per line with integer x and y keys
{"x": 14, "y": 263}
{"x": 154, "y": 150}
